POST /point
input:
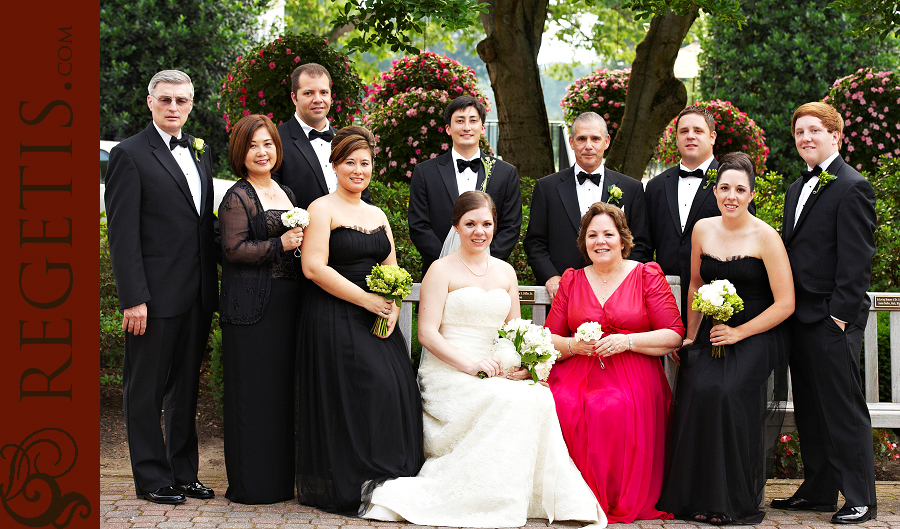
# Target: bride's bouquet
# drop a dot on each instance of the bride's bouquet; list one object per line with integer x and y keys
{"x": 293, "y": 218}
{"x": 719, "y": 300}
{"x": 521, "y": 343}
{"x": 392, "y": 282}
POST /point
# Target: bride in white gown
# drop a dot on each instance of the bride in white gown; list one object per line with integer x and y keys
{"x": 495, "y": 452}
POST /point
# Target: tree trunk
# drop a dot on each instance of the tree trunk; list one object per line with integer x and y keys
{"x": 654, "y": 97}
{"x": 514, "y": 29}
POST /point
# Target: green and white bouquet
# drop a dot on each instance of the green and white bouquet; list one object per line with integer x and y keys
{"x": 528, "y": 344}
{"x": 719, "y": 300}
{"x": 294, "y": 218}
{"x": 392, "y": 282}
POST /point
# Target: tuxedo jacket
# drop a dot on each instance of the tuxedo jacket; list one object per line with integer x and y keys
{"x": 301, "y": 169}
{"x": 831, "y": 247}
{"x": 163, "y": 252}
{"x": 433, "y": 193}
{"x": 551, "y": 241}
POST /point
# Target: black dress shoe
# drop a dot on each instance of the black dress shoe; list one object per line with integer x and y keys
{"x": 799, "y": 504}
{"x": 849, "y": 514}
{"x": 196, "y": 490}
{"x": 165, "y": 495}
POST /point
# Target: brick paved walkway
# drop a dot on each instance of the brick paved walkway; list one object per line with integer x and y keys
{"x": 120, "y": 509}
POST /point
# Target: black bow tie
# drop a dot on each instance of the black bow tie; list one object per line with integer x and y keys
{"x": 593, "y": 177}
{"x": 696, "y": 172}
{"x": 816, "y": 171}
{"x": 472, "y": 164}
{"x": 327, "y": 135}
{"x": 184, "y": 142}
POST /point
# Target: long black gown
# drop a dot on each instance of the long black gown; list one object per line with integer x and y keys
{"x": 722, "y": 425}
{"x": 359, "y": 408}
{"x": 258, "y": 368}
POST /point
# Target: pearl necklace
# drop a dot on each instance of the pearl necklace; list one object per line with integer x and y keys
{"x": 486, "y": 266}
{"x": 268, "y": 192}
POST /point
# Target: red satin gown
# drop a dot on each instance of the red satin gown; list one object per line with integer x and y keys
{"x": 614, "y": 420}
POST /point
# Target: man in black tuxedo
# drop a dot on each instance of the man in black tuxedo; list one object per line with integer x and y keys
{"x": 159, "y": 204}
{"x": 307, "y": 136}
{"x": 829, "y": 225}
{"x": 438, "y": 182}
{"x": 680, "y": 196}
{"x": 560, "y": 200}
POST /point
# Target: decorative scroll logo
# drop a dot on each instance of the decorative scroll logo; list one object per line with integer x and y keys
{"x": 34, "y": 466}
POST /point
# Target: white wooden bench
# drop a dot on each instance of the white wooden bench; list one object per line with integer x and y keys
{"x": 884, "y": 414}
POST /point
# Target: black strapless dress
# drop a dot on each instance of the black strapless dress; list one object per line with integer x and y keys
{"x": 727, "y": 413}
{"x": 358, "y": 404}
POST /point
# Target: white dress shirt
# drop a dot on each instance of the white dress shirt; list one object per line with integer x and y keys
{"x": 687, "y": 190}
{"x": 323, "y": 152}
{"x": 588, "y": 193}
{"x": 466, "y": 180}
{"x": 807, "y": 188}
{"x": 186, "y": 163}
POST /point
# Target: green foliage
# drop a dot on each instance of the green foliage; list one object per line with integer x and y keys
{"x": 769, "y": 199}
{"x": 726, "y": 11}
{"x": 260, "y": 82}
{"x": 112, "y": 341}
{"x": 392, "y": 23}
{"x": 886, "y": 263}
{"x": 142, "y": 37}
{"x": 880, "y": 17}
{"x": 109, "y": 379}
{"x": 869, "y": 102}
{"x": 214, "y": 371}
{"x": 406, "y": 111}
{"x": 603, "y": 92}
{"x": 735, "y": 131}
{"x": 614, "y": 34}
{"x": 787, "y": 454}
{"x": 787, "y": 54}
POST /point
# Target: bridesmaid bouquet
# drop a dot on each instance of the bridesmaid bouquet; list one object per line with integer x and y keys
{"x": 587, "y": 331}
{"x": 293, "y": 218}
{"x": 718, "y": 299}
{"x": 392, "y": 282}
{"x": 521, "y": 343}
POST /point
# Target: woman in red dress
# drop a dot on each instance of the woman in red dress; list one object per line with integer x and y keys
{"x": 612, "y": 396}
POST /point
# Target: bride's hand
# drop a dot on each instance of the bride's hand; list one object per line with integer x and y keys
{"x": 520, "y": 373}
{"x": 724, "y": 335}
{"x": 490, "y": 366}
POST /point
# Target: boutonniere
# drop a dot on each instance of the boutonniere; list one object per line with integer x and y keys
{"x": 824, "y": 178}
{"x": 614, "y": 193}
{"x": 711, "y": 175}
{"x": 199, "y": 146}
{"x": 488, "y": 165}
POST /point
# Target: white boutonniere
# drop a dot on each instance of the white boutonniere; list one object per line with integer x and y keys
{"x": 711, "y": 175}
{"x": 824, "y": 178}
{"x": 488, "y": 165}
{"x": 615, "y": 194}
{"x": 199, "y": 146}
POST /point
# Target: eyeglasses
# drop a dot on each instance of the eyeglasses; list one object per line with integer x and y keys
{"x": 167, "y": 100}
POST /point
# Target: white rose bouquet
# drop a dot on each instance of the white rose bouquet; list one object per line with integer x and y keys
{"x": 293, "y": 218}
{"x": 587, "y": 331}
{"x": 531, "y": 343}
{"x": 719, "y": 300}
{"x": 392, "y": 282}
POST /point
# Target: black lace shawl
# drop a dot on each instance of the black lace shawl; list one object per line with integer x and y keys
{"x": 247, "y": 255}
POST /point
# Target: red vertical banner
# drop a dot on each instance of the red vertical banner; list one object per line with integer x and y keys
{"x": 49, "y": 389}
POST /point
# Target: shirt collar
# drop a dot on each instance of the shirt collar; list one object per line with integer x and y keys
{"x": 307, "y": 128}
{"x": 165, "y": 135}
{"x": 600, "y": 170}
{"x": 704, "y": 166}
{"x": 825, "y": 163}
{"x": 457, "y": 156}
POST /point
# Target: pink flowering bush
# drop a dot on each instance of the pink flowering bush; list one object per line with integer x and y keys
{"x": 260, "y": 82}
{"x": 735, "y": 131}
{"x": 603, "y": 92}
{"x": 869, "y": 102}
{"x": 405, "y": 111}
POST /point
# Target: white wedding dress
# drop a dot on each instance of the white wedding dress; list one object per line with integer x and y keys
{"x": 495, "y": 452}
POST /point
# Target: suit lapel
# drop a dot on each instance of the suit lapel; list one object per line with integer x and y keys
{"x": 671, "y": 185}
{"x": 301, "y": 141}
{"x": 833, "y": 169}
{"x": 481, "y": 174}
{"x": 448, "y": 175}
{"x": 702, "y": 194}
{"x": 609, "y": 179}
{"x": 204, "y": 185}
{"x": 790, "y": 209}
{"x": 569, "y": 197}
{"x": 165, "y": 157}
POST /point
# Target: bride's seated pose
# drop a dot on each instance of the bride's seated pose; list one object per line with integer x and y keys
{"x": 495, "y": 452}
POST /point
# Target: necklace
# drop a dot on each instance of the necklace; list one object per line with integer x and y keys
{"x": 486, "y": 266}
{"x": 268, "y": 192}
{"x": 610, "y": 276}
